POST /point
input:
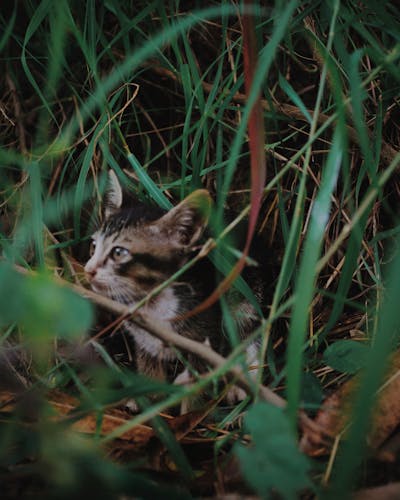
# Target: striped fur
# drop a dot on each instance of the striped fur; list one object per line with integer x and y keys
{"x": 138, "y": 248}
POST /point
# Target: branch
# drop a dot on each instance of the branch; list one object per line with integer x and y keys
{"x": 164, "y": 332}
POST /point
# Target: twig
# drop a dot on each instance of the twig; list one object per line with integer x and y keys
{"x": 164, "y": 332}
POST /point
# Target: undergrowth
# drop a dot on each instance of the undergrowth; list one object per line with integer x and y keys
{"x": 155, "y": 92}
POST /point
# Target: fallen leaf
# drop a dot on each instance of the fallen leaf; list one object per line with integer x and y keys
{"x": 389, "y": 491}
{"x": 138, "y": 437}
{"x": 64, "y": 406}
{"x": 183, "y": 424}
{"x": 335, "y": 413}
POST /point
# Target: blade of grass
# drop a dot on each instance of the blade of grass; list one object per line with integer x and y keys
{"x": 289, "y": 261}
{"x": 307, "y": 275}
{"x": 151, "y": 187}
{"x": 357, "y": 97}
{"x": 131, "y": 62}
{"x": 41, "y": 13}
{"x": 292, "y": 94}
{"x": 36, "y": 206}
{"x": 8, "y": 27}
{"x": 253, "y": 117}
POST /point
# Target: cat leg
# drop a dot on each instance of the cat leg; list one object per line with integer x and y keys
{"x": 184, "y": 378}
{"x": 150, "y": 366}
{"x": 190, "y": 403}
{"x": 236, "y": 394}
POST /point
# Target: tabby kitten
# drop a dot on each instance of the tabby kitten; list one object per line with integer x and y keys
{"x": 139, "y": 247}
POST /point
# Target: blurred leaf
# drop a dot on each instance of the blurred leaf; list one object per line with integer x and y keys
{"x": 346, "y": 356}
{"x": 54, "y": 309}
{"x": 11, "y": 285}
{"x": 273, "y": 461}
{"x": 43, "y": 308}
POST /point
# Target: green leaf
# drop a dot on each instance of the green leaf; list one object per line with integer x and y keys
{"x": 346, "y": 356}
{"x": 11, "y": 287}
{"x": 54, "y": 309}
{"x": 273, "y": 461}
{"x": 41, "y": 307}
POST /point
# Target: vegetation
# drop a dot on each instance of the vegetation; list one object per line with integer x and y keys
{"x": 156, "y": 92}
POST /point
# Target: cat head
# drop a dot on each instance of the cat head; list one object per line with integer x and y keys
{"x": 138, "y": 247}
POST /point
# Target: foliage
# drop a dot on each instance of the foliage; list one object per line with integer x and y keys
{"x": 41, "y": 307}
{"x": 274, "y": 461}
{"x": 156, "y": 92}
{"x": 346, "y": 356}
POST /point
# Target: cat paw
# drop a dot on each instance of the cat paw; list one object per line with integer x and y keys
{"x": 235, "y": 395}
{"x": 183, "y": 378}
{"x": 132, "y": 406}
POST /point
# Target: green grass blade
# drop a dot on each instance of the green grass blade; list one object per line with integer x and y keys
{"x": 8, "y": 27}
{"x": 149, "y": 185}
{"x": 41, "y": 13}
{"x": 292, "y": 94}
{"x": 307, "y": 276}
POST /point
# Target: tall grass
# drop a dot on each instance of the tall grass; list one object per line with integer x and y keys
{"x": 155, "y": 91}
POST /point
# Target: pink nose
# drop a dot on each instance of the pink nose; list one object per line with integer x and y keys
{"x": 90, "y": 271}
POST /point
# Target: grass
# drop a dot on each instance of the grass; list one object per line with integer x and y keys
{"x": 155, "y": 91}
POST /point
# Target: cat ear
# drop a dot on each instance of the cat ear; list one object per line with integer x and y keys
{"x": 186, "y": 222}
{"x": 113, "y": 200}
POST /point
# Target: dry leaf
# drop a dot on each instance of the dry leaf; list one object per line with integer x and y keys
{"x": 64, "y": 405}
{"x": 138, "y": 437}
{"x": 389, "y": 491}
{"x": 335, "y": 413}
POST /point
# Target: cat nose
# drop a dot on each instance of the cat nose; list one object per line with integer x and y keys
{"x": 90, "y": 271}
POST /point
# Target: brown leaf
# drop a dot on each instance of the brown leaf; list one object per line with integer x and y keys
{"x": 387, "y": 412}
{"x": 390, "y": 449}
{"x": 183, "y": 424}
{"x": 138, "y": 437}
{"x": 64, "y": 406}
{"x": 389, "y": 491}
{"x": 335, "y": 413}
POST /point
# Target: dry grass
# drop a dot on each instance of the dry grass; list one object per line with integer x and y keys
{"x": 87, "y": 90}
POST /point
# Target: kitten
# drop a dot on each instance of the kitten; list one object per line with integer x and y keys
{"x": 136, "y": 249}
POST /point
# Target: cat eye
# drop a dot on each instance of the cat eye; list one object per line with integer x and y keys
{"x": 120, "y": 253}
{"x": 92, "y": 247}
